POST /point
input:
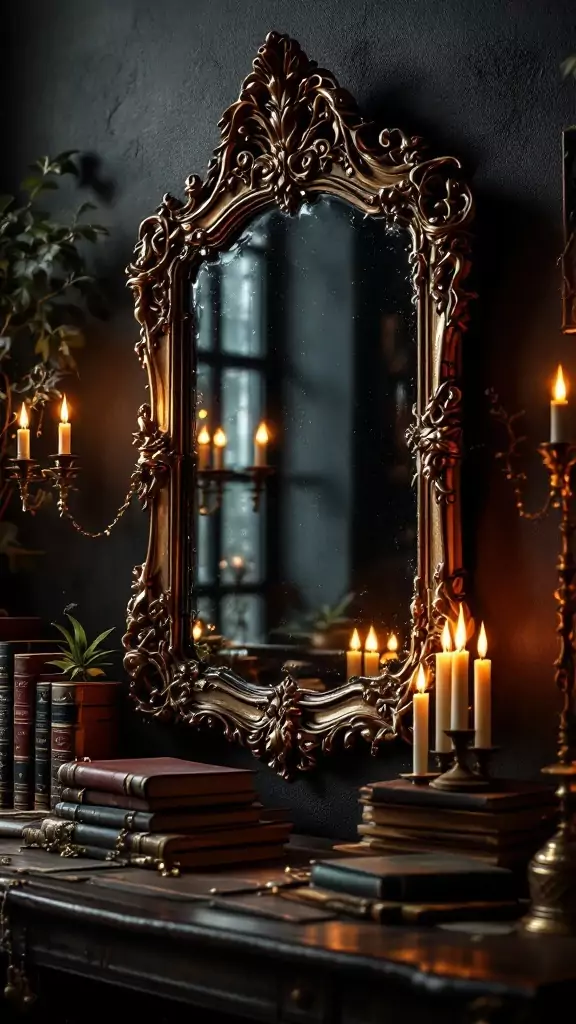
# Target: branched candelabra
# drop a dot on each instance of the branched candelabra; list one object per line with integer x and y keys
{"x": 552, "y": 871}
{"x": 152, "y": 466}
{"x": 211, "y": 483}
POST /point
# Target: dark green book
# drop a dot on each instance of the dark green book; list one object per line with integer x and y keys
{"x": 42, "y": 746}
{"x": 6, "y": 724}
{"x": 415, "y": 878}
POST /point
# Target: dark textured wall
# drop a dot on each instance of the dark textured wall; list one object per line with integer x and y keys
{"x": 141, "y": 84}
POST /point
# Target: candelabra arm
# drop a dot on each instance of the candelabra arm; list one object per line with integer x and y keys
{"x": 507, "y": 457}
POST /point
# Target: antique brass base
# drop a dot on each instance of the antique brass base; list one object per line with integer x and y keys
{"x": 552, "y": 871}
{"x": 460, "y": 777}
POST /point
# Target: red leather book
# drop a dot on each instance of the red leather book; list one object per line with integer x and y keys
{"x": 27, "y": 668}
{"x": 147, "y": 778}
{"x": 84, "y": 723}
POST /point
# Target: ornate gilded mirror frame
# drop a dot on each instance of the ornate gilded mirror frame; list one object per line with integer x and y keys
{"x": 292, "y": 135}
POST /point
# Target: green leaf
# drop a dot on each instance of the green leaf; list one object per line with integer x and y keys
{"x": 99, "y": 639}
{"x": 42, "y": 348}
{"x": 72, "y": 650}
{"x": 79, "y": 634}
{"x": 97, "y": 656}
{"x": 64, "y": 663}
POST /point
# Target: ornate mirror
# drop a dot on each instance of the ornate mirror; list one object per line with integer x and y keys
{"x": 301, "y": 318}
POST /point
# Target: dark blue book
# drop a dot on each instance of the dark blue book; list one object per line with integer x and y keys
{"x": 6, "y": 724}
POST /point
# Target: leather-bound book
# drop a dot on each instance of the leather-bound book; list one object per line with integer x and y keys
{"x": 158, "y": 821}
{"x": 431, "y": 819}
{"x": 42, "y": 741}
{"x": 99, "y": 798}
{"x": 415, "y": 878}
{"x": 6, "y": 724}
{"x": 27, "y": 668}
{"x": 148, "y": 778}
{"x": 510, "y": 795}
{"x": 170, "y": 849}
{"x": 84, "y": 723}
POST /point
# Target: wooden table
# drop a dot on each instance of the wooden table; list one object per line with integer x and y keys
{"x": 131, "y": 931}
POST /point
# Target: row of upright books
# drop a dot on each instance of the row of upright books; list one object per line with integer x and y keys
{"x": 161, "y": 812}
{"x": 46, "y": 721}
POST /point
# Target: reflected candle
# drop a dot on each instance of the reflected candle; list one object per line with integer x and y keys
{"x": 371, "y": 654}
{"x": 204, "y": 448}
{"x": 261, "y": 439}
{"x": 354, "y": 656}
{"x": 219, "y": 446}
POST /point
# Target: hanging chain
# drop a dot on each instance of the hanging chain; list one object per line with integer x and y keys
{"x": 93, "y": 535}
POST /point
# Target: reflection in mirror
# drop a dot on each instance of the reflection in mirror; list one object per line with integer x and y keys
{"x": 306, "y": 528}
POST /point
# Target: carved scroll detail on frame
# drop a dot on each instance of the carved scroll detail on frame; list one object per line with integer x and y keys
{"x": 292, "y": 135}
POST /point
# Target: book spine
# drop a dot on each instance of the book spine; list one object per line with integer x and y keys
{"x": 24, "y": 708}
{"x": 105, "y": 817}
{"x": 63, "y": 718}
{"x": 108, "y": 838}
{"x": 120, "y": 783}
{"x": 6, "y": 725}
{"x": 42, "y": 747}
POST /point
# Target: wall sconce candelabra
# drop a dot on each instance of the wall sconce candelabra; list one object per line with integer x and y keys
{"x": 552, "y": 871}
{"x": 155, "y": 457}
{"x": 213, "y": 477}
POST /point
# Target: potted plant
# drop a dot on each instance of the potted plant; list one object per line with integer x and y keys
{"x": 45, "y": 291}
{"x": 81, "y": 661}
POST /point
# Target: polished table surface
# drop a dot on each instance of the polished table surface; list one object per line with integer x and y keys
{"x": 172, "y": 937}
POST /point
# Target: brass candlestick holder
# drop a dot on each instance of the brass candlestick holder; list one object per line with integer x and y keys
{"x": 460, "y": 778}
{"x": 211, "y": 483}
{"x": 61, "y": 474}
{"x": 552, "y": 871}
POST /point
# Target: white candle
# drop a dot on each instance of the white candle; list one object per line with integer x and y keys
{"x": 482, "y": 694}
{"x": 420, "y": 725}
{"x": 219, "y": 446}
{"x": 203, "y": 448}
{"x": 64, "y": 430}
{"x": 354, "y": 656}
{"x": 560, "y": 425}
{"x": 23, "y": 435}
{"x": 371, "y": 654}
{"x": 444, "y": 691}
{"x": 460, "y": 666}
{"x": 261, "y": 439}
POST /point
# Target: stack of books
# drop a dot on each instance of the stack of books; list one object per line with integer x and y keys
{"x": 163, "y": 811}
{"x": 503, "y": 827}
{"x": 45, "y": 721}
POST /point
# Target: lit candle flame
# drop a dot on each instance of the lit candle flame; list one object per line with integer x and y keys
{"x": 560, "y": 391}
{"x": 24, "y": 421}
{"x": 355, "y": 642}
{"x": 203, "y": 414}
{"x": 421, "y": 680}
{"x": 392, "y": 644}
{"x": 220, "y": 439}
{"x": 64, "y": 411}
{"x": 237, "y": 562}
{"x": 446, "y": 638}
{"x": 204, "y": 436}
{"x": 262, "y": 436}
{"x": 482, "y": 643}
{"x": 371, "y": 640}
{"x": 197, "y": 630}
{"x": 461, "y": 631}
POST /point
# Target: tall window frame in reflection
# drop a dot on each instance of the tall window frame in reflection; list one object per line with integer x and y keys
{"x": 231, "y": 384}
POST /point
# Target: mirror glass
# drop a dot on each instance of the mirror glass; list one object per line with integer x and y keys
{"x": 306, "y": 325}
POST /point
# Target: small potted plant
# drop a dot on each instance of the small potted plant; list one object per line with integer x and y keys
{"x": 81, "y": 661}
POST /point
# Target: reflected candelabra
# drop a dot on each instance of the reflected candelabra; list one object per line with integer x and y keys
{"x": 212, "y": 476}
